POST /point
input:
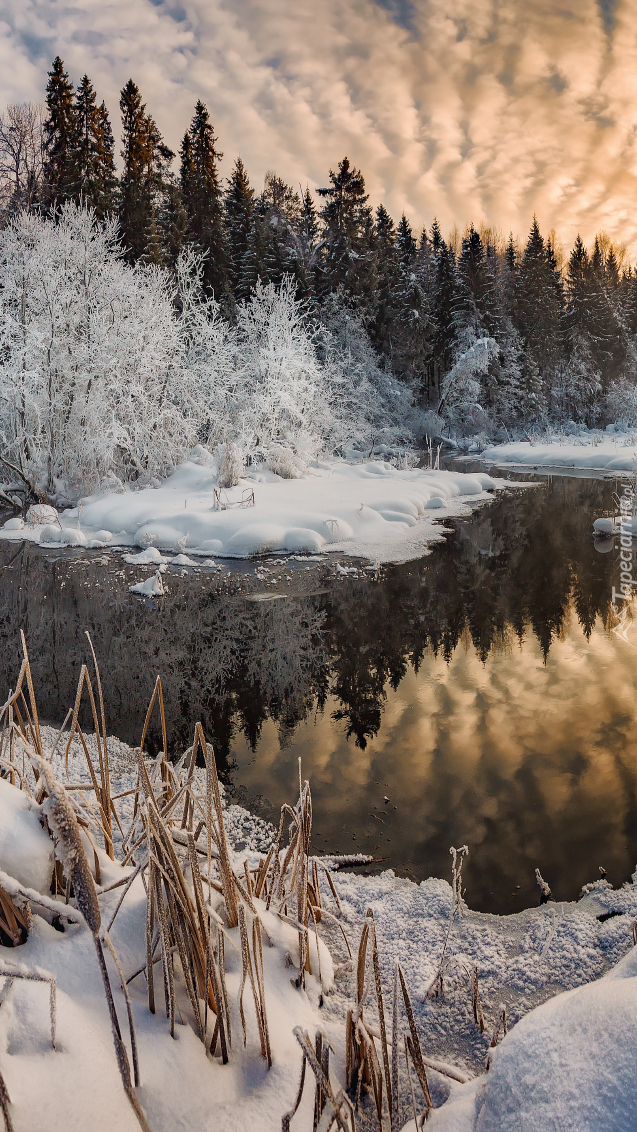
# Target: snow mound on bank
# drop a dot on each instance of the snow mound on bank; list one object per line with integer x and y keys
{"x": 567, "y": 1066}
{"x": 26, "y": 851}
{"x": 611, "y": 453}
{"x": 369, "y": 509}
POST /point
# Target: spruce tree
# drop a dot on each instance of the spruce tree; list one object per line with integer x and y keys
{"x": 444, "y": 302}
{"x": 538, "y": 310}
{"x": 238, "y": 206}
{"x": 303, "y": 249}
{"x": 146, "y": 163}
{"x": 405, "y": 243}
{"x": 475, "y": 307}
{"x": 201, "y": 194}
{"x": 105, "y": 200}
{"x": 94, "y": 163}
{"x": 386, "y": 303}
{"x": 60, "y": 131}
{"x": 258, "y": 259}
{"x": 436, "y": 237}
{"x": 348, "y": 230}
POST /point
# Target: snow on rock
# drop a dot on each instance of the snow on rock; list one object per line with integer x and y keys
{"x": 152, "y": 587}
{"x": 16, "y": 524}
{"x": 182, "y": 560}
{"x": 365, "y": 509}
{"x": 39, "y": 514}
{"x": 62, "y": 536}
{"x": 599, "y": 452}
{"x": 26, "y": 850}
{"x": 147, "y": 557}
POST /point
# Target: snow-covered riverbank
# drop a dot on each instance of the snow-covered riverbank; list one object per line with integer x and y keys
{"x": 567, "y": 1064}
{"x": 608, "y": 451}
{"x": 369, "y": 509}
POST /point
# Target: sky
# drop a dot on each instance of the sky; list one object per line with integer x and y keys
{"x": 488, "y": 111}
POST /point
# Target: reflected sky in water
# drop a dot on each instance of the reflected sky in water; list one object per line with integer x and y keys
{"x": 481, "y": 689}
{"x": 530, "y": 763}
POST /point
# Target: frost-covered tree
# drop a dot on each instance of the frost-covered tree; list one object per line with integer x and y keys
{"x": 89, "y": 370}
{"x": 22, "y": 154}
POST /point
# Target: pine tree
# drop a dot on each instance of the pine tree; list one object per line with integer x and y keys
{"x": 60, "y": 130}
{"x": 146, "y": 163}
{"x": 202, "y": 197}
{"x": 238, "y": 205}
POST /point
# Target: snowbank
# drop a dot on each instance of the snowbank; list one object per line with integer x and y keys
{"x": 26, "y": 851}
{"x": 369, "y": 510}
{"x": 610, "y": 452}
{"x": 569, "y": 1065}
{"x": 567, "y": 1062}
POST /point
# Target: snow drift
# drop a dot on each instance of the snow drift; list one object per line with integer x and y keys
{"x": 371, "y": 509}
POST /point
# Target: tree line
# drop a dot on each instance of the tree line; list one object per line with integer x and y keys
{"x": 489, "y": 335}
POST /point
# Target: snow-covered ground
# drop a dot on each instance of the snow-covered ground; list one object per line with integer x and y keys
{"x": 368, "y": 509}
{"x": 597, "y": 451}
{"x": 567, "y": 1063}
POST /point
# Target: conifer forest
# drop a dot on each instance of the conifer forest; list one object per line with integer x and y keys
{"x": 379, "y": 330}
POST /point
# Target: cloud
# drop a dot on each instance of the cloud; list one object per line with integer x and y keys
{"x": 484, "y": 110}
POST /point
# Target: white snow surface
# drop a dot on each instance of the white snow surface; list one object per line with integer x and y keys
{"x": 567, "y": 1063}
{"x": 368, "y": 509}
{"x": 609, "y": 451}
{"x": 26, "y": 850}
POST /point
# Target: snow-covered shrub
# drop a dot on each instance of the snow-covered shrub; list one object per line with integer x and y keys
{"x": 230, "y": 464}
{"x": 578, "y": 384}
{"x": 461, "y": 393}
{"x": 432, "y": 424}
{"x": 89, "y": 365}
{"x": 371, "y": 405}
{"x": 621, "y": 405}
{"x": 111, "y": 373}
{"x": 283, "y": 462}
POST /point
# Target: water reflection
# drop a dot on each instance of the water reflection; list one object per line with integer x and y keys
{"x": 479, "y": 689}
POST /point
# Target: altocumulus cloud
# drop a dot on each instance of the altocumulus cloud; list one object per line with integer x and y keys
{"x": 490, "y": 110}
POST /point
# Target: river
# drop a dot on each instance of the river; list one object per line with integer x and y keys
{"x": 476, "y": 696}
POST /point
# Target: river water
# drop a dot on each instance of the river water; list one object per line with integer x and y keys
{"x": 476, "y": 696}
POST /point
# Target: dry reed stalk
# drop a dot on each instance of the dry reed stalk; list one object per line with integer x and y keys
{"x": 102, "y": 787}
{"x": 5, "y": 1101}
{"x": 476, "y": 1004}
{"x": 457, "y": 860}
{"x": 413, "y": 1042}
{"x": 363, "y": 1068}
{"x": 252, "y": 969}
{"x": 342, "y": 1110}
{"x": 14, "y": 921}
{"x": 501, "y": 1024}
{"x": 182, "y": 923}
{"x": 63, "y": 823}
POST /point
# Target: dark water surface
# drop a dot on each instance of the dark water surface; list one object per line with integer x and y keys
{"x": 481, "y": 689}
